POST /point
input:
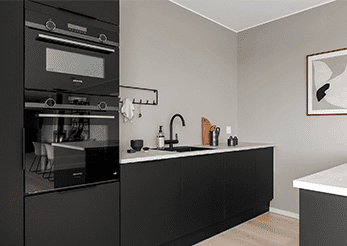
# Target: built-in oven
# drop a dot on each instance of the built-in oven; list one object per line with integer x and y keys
{"x": 70, "y": 140}
{"x": 71, "y": 114}
{"x": 73, "y": 54}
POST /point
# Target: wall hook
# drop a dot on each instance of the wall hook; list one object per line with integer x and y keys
{"x": 155, "y": 102}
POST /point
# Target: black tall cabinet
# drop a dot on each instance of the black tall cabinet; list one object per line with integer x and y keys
{"x": 16, "y": 211}
{"x": 11, "y": 104}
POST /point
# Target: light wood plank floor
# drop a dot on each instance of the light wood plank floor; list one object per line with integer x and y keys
{"x": 268, "y": 229}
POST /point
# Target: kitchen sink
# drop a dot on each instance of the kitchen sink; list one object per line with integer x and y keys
{"x": 186, "y": 148}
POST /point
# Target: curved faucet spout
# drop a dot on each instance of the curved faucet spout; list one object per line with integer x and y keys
{"x": 171, "y": 142}
{"x": 173, "y": 117}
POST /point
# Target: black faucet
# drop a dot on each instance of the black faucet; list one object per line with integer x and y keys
{"x": 170, "y": 142}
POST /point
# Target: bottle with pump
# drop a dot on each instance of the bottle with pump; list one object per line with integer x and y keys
{"x": 160, "y": 138}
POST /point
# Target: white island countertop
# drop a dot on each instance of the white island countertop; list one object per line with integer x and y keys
{"x": 151, "y": 155}
{"x": 332, "y": 181}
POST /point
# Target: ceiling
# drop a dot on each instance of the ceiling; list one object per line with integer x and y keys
{"x": 240, "y": 15}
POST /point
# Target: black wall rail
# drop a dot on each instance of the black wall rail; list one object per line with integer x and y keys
{"x": 155, "y": 102}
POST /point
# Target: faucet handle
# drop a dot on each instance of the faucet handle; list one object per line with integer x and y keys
{"x": 176, "y": 136}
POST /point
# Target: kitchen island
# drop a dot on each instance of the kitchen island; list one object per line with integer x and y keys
{"x": 180, "y": 198}
{"x": 323, "y": 207}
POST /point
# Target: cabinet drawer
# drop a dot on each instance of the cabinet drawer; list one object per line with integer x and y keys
{"x": 88, "y": 216}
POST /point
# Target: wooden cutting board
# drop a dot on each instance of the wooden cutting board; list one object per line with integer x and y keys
{"x": 205, "y": 126}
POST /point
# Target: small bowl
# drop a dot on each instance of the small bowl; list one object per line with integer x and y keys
{"x": 136, "y": 144}
{"x": 145, "y": 149}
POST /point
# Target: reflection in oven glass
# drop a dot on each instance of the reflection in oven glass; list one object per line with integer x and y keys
{"x": 69, "y": 147}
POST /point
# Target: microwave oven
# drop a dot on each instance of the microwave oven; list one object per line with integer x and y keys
{"x": 67, "y": 52}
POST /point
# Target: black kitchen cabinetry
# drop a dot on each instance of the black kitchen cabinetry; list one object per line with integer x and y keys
{"x": 240, "y": 182}
{"x": 83, "y": 205}
{"x": 264, "y": 175}
{"x": 202, "y": 191}
{"x": 107, "y": 11}
{"x": 86, "y": 216}
{"x": 184, "y": 200}
{"x": 11, "y": 108}
{"x": 150, "y": 202}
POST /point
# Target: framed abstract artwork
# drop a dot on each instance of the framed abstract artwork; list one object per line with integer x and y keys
{"x": 327, "y": 83}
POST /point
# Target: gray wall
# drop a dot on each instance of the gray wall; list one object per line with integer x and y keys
{"x": 272, "y": 96}
{"x": 254, "y": 81}
{"x": 190, "y": 60}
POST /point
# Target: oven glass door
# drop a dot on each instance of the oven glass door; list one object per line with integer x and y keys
{"x": 67, "y": 147}
{"x": 66, "y": 63}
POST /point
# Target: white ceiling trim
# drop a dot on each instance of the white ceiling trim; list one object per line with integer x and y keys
{"x": 262, "y": 23}
{"x": 202, "y": 15}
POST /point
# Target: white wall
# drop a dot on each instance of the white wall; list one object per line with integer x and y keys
{"x": 272, "y": 96}
{"x": 190, "y": 60}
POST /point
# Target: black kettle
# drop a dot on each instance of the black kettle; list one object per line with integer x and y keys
{"x": 214, "y": 135}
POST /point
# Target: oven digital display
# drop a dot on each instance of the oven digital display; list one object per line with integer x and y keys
{"x": 76, "y": 28}
{"x": 59, "y": 61}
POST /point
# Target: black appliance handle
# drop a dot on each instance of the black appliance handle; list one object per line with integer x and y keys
{"x": 68, "y": 42}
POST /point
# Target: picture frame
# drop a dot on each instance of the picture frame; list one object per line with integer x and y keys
{"x": 326, "y": 83}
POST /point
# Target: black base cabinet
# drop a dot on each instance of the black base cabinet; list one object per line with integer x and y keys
{"x": 182, "y": 201}
{"x": 240, "y": 182}
{"x": 322, "y": 219}
{"x": 264, "y": 175}
{"x": 86, "y": 216}
{"x": 150, "y": 202}
{"x": 202, "y": 191}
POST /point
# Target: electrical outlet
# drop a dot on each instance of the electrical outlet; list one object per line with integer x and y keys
{"x": 228, "y": 129}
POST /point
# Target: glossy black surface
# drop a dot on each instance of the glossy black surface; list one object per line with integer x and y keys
{"x": 53, "y": 66}
{"x": 107, "y": 11}
{"x": 69, "y": 146}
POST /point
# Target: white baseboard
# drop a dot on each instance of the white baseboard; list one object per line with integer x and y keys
{"x": 284, "y": 212}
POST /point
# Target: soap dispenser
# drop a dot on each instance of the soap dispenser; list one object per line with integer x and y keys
{"x": 160, "y": 139}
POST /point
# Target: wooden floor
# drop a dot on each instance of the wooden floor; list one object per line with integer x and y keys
{"x": 267, "y": 229}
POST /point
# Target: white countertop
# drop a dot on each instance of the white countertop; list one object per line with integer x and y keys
{"x": 151, "y": 155}
{"x": 332, "y": 181}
